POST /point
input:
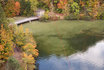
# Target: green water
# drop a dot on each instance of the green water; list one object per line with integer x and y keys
{"x": 69, "y": 45}
{"x": 70, "y": 55}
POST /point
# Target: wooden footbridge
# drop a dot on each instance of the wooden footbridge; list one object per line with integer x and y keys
{"x": 27, "y": 20}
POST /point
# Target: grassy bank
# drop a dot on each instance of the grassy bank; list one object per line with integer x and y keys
{"x": 54, "y": 35}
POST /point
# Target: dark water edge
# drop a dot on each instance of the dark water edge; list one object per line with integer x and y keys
{"x": 83, "y": 51}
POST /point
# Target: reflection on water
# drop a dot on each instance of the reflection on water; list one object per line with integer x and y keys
{"x": 67, "y": 44}
{"x": 91, "y": 59}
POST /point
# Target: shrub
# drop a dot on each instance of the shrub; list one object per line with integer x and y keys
{"x": 101, "y": 16}
{"x": 6, "y": 44}
{"x": 45, "y": 17}
{"x": 74, "y": 8}
{"x": 29, "y": 61}
{"x": 72, "y": 17}
{"x": 12, "y": 64}
{"x": 22, "y": 37}
{"x": 30, "y": 49}
{"x": 19, "y": 36}
{"x": 85, "y": 17}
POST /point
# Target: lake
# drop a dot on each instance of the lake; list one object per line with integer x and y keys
{"x": 87, "y": 55}
{"x": 91, "y": 59}
{"x": 69, "y": 45}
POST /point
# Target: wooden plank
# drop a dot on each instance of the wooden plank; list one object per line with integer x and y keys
{"x": 26, "y": 20}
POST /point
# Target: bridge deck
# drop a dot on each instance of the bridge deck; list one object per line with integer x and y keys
{"x": 26, "y": 20}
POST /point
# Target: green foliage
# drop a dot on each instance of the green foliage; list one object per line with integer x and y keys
{"x": 19, "y": 36}
{"x": 102, "y": 16}
{"x": 34, "y": 4}
{"x": 22, "y": 37}
{"x": 3, "y": 19}
{"x": 75, "y": 8}
{"x": 12, "y": 64}
{"x": 72, "y": 17}
{"x": 42, "y": 5}
{"x": 59, "y": 10}
{"x": 45, "y": 17}
{"x": 26, "y": 8}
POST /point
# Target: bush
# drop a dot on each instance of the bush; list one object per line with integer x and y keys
{"x": 22, "y": 37}
{"x": 101, "y": 16}
{"x": 30, "y": 49}
{"x": 72, "y": 17}
{"x": 45, "y": 17}
{"x": 19, "y": 36}
{"x": 12, "y": 64}
{"x": 6, "y": 44}
{"x": 29, "y": 61}
{"x": 85, "y": 17}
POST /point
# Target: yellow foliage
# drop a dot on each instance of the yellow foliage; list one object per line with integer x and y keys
{"x": 22, "y": 37}
{"x": 19, "y": 36}
{"x": 1, "y": 48}
{"x": 6, "y": 44}
{"x": 94, "y": 6}
{"x": 29, "y": 60}
{"x": 30, "y": 49}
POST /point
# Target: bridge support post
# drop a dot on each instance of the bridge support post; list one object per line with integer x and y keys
{"x": 30, "y": 21}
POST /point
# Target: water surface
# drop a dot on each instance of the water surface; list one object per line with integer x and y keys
{"x": 91, "y": 59}
{"x": 83, "y": 51}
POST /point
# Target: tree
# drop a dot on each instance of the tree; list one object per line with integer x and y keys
{"x": 75, "y": 9}
{"x": 63, "y": 4}
{"x": 34, "y": 4}
{"x": 17, "y": 8}
{"x": 6, "y": 44}
{"x": 25, "y": 9}
{"x": 93, "y": 8}
{"x": 3, "y": 19}
{"x": 10, "y": 8}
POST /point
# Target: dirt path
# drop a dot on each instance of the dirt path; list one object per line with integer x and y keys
{"x": 18, "y": 54}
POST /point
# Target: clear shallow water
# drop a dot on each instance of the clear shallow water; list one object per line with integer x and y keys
{"x": 91, "y": 59}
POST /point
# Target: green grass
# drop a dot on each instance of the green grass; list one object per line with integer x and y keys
{"x": 52, "y": 36}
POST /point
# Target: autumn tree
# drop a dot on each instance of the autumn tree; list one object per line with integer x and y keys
{"x": 10, "y": 8}
{"x": 6, "y": 44}
{"x": 93, "y": 8}
{"x": 63, "y": 4}
{"x": 17, "y": 8}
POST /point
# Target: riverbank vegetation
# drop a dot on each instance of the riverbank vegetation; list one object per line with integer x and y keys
{"x": 56, "y": 9}
{"x": 17, "y": 46}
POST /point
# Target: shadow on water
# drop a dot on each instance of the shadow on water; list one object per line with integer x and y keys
{"x": 82, "y": 41}
{"x": 50, "y": 44}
